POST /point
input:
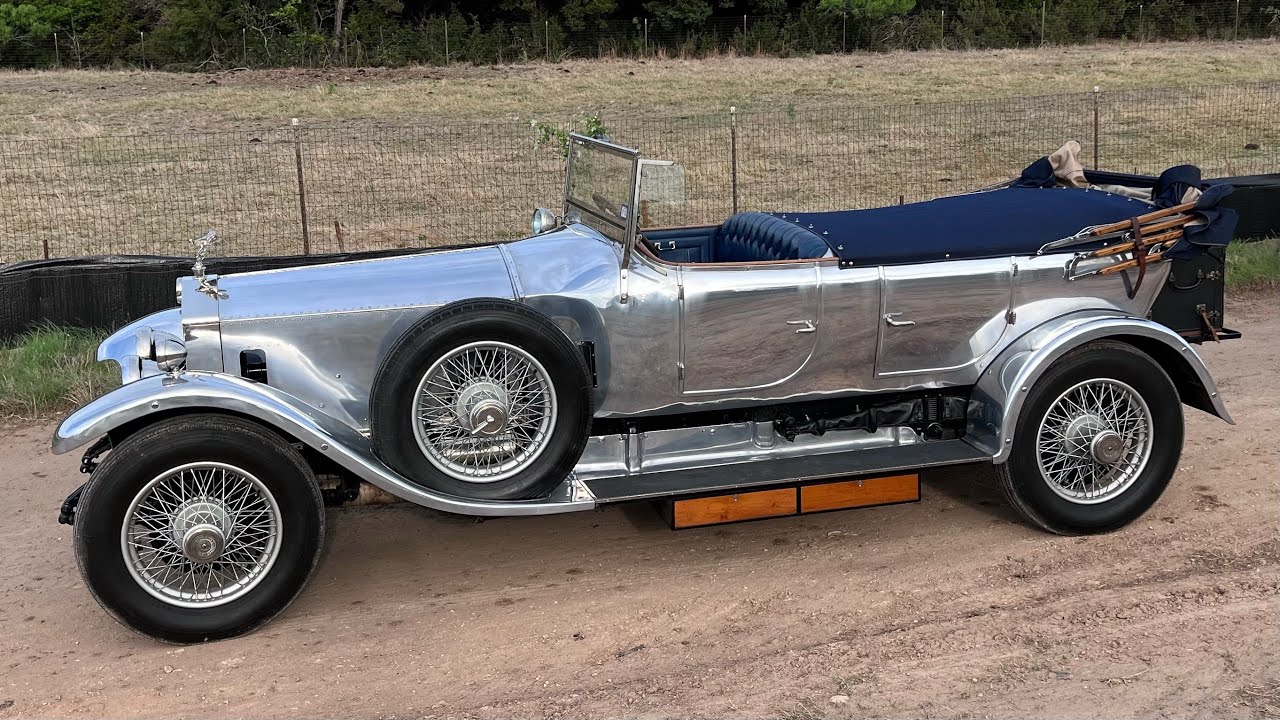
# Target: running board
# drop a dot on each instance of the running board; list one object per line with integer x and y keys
{"x": 783, "y": 470}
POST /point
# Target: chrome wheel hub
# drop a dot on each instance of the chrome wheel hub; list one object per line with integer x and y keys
{"x": 1094, "y": 441}
{"x": 484, "y": 411}
{"x": 201, "y": 534}
{"x": 1107, "y": 447}
{"x": 483, "y": 404}
{"x": 203, "y": 543}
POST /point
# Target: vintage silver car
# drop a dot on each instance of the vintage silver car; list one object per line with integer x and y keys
{"x": 600, "y": 361}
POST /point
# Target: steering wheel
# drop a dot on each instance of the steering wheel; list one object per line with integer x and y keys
{"x": 606, "y": 206}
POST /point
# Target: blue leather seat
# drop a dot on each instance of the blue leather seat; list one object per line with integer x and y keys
{"x": 757, "y": 236}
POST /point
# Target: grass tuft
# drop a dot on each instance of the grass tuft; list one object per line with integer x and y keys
{"x": 51, "y": 369}
{"x": 1254, "y": 265}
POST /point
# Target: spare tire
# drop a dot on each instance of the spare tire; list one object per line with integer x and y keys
{"x": 484, "y": 399}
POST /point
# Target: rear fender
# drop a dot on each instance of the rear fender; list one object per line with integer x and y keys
{"x": 160, "y": 396}
{"x": 998, "y": 397}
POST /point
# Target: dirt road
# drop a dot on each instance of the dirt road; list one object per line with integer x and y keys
{"x": 947, "y": 608}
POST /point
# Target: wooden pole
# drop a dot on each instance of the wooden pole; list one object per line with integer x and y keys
{"x": 1096, "y": 122}
{"x": 302, "y": 187}
{"x": 1153, "y": 215}
{"x": 733, "y": 154}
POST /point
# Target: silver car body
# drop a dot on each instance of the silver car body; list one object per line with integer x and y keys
{"x": 667, "y": 338}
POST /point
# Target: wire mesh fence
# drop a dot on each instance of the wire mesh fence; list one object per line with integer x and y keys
{"x": 318, "y": 188}
{"x": 441, "y": 40}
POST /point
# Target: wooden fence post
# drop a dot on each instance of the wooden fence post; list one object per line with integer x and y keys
{"x": 1097, "y": 121}
{"x": 302, "y": 187}
{"x": 733, "y": 154}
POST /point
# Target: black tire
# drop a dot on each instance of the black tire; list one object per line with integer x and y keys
{"x": 169, "y": 444}
{"x": 1030, "y": 492}
{"x": 395, "y": 386}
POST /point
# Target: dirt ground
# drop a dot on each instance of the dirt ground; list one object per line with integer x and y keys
{"x": 951, "y": 607}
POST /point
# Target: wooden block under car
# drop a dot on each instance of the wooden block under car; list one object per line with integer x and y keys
{"x": 696, "y": 512}
{"x": 863, "y": 492}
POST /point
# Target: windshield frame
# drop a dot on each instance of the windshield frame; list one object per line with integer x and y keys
{"x": 630, "y": 226}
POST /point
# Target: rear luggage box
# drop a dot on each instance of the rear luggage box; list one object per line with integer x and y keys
{"x": 1192, "y": 301}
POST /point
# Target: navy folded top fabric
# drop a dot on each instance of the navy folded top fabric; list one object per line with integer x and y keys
{"x": 1009, "y": 221}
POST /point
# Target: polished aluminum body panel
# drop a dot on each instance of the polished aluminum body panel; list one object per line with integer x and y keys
{"x": 942, "y": 317}
{"x": 325, "y": 329}
{"x": 999, "y": 395}
{"x": 780, "y": 307}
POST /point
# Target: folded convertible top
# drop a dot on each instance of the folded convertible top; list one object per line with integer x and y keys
{"x": 995, "y": 223}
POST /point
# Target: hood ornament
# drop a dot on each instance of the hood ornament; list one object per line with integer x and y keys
{"x": 207, "y": 284}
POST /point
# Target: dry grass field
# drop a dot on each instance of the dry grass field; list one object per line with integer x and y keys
{"x": 103, "y": 162}
{"x": 89, "y": 103}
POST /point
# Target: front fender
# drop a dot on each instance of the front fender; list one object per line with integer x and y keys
{"x": 997, "y": 398}
{"x": 165, "y": 395}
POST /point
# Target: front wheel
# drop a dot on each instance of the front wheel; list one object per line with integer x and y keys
{"x": 1097, "y": 442}
{"x": 199, "y": 528}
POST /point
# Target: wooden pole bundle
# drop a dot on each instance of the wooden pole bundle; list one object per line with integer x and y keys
{"x": 1142, "y": 219}
{"x": 1156, "y": 221}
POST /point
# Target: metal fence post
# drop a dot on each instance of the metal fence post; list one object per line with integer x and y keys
{"x": 1141, "y": 13}
{"x": 142, "y": 47}
{"x": 302, "y": 187}
{"x": 1043, "y": 3}
{"x": 646, "y": 36}
{"x": 733, "y": 155}
{"x": 546, "y": 38}
{"x": 1096, "y": 122}
{"x": 942, "y": 30}
{"x": 1235, "y": 34}
{"x": 57, "y": 54}
{"x": 244, "y": 46}
{"x": 446, "y": 40}
{"x": 844, "y": 32}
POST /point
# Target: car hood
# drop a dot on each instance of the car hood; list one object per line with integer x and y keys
{"x": 426, "y": 279}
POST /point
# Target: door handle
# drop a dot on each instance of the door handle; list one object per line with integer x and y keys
{"x": 889, "y": 318}
{"x": 808, "y": 326}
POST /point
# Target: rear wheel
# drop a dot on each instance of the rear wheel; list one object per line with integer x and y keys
{"x": 1098, "y": 440}
{"x": 199, "y": 528}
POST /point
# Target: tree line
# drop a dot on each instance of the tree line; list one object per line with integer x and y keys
{"x": 212, "y": 34}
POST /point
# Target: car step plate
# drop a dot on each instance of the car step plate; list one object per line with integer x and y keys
{"x": 703, "y": 510}
{"x": 783, "y": 470}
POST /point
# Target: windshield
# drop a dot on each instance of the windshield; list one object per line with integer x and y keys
{"x": 601, "y": 185}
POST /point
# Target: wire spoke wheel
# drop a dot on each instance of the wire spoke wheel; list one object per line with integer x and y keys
{"x": 1094, "y": 441}
{"x": 484, "y": 411}
{"x": 202, "y": 534}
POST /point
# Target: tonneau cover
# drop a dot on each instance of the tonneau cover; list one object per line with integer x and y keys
{"x": 995, "y": 223}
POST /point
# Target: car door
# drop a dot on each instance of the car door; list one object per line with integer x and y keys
{"x": 746, "y": 327}
{"x": 941, "y": 317}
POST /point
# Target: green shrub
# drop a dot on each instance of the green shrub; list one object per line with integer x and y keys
{"x": 52, "y": 369}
